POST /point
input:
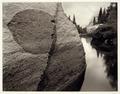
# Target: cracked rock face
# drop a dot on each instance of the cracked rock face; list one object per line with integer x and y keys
{"x": 27, "y": 30}
{"x": 40, "y": 45}
{"x": 67, "y": 64}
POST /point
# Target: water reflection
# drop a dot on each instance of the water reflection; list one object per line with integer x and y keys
{"x": 110, "y": 57}
{"x": 101, "y": 72}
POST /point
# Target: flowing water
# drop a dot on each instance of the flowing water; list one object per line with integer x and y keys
{"x": 96, "y": 75}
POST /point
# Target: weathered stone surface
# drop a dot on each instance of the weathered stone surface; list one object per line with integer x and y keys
{"x": 32, "y": 29}
{"x": 25, "y": 57}
{"x": 10, "y": 9}
{"x": 67, "y": 63}
{"x": 22, "y": 69}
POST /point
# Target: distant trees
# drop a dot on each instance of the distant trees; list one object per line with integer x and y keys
{"x": 69, "y": 17}
{"x": 94, "y": 21}
{"x": 106, "y": 15}
{"x": 112, "y": 13}
{"x": 73, "y": 20}
{"x": 79, "y": 28}
{"x": 100, "y": 16}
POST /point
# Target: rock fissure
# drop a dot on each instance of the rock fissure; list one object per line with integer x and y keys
{"x": 44, "y": 55}
{"x": 44, "y": 79}
{"x": 61, "y": 84}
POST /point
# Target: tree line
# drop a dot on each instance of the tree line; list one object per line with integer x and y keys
{"x": 106, "y": 15}
{"x": 79, "y": 28}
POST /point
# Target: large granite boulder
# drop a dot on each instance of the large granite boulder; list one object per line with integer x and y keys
{"x": 66, "y": 66}
{"x": 41, "y": 49}
{"x": 27, "y": 30}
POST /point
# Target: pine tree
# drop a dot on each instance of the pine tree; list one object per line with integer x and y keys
{"x": 69, "y": 17}
{"x": 94, "y": 21}
{"x": 104, "y": 18}
{"x": 111, "y": 6}
{"x": 78, "y": 28}
{"x": 74, "y": 21}
{"x": 100, "y": 16}
{"x": 112, "y": 17}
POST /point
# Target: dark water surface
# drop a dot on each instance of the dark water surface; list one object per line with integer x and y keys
{"x": 101, "y": 72}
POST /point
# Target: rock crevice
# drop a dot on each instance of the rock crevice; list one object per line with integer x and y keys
{"x": 41, "y": 49}
{"x": 26, "y": 43}
{"x": 66, "y": 65}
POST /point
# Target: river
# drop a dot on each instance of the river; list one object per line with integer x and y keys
{"x": 96, "y": 76}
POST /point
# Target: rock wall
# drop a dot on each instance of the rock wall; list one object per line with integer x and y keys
{"x": 41, "y": 48}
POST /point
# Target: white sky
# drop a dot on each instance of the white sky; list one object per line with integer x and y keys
{"x": 84, "y": 12}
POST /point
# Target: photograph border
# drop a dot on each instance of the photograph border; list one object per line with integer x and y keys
{"x": 58, "y": 92}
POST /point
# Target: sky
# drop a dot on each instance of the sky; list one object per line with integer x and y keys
{"x": 84, "y": 12}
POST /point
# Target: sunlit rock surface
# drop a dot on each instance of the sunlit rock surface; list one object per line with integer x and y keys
{"x": 91, "y": 29}
{"x": 31, "y": 51}
{"x": 67, "y": 64}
